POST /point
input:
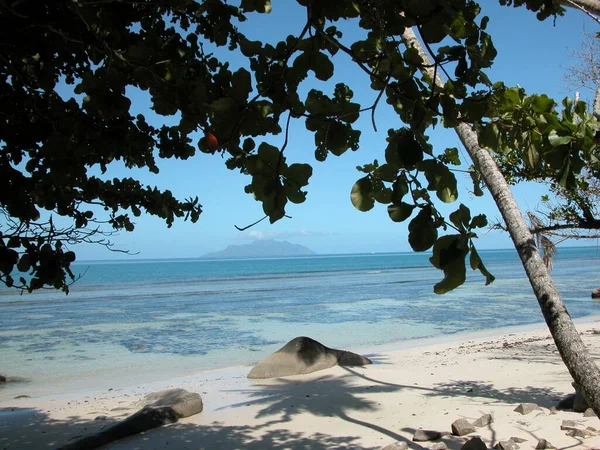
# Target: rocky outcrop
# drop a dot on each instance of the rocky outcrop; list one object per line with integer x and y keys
{"x": 596, "y": 293}
{"x": 543, "y": 444}
{"x": 526, "y": 408}
{"x": 506, "y": 445}
{"x": 483, "y": 421}
{"x": 462, "y": 427}
{"x": 159, "y": 408}
{"x": 474, "y": 443}
{"x": 426, "y": 435}
{"x": 304, "y": 355}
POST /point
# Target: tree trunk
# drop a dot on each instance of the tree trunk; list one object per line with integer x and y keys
{"x": 590, "y": 6}
{"x": 570, "y": 346}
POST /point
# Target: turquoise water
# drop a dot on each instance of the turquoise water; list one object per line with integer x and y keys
{"x": 142, "y": 320}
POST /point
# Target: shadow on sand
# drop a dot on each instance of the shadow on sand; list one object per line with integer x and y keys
{"x": 275, "y": 402}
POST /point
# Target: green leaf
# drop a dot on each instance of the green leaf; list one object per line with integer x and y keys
{"x": 477, "y": 264}
{"x": 400, "y": 212}
{"x": 298, "y": 174}
{"x": 382, "y": 194}
{"x": 15, "y": 242}
{"x": 241, "y": 85}
{"x": 489, "y": 137}
{"x": 556, "y": 140}
{"x": 422, "y": 232}
{"x": 449, "y": 255}
{"x": 435, "y": 28}
{"x": 479, "y": 221}
{"x": 249, "y": 48}
{"x": 451, "y": 156}
{"x": 69, "y": 257}
{"x": 403, "y": 149}
{"x": 454, "y": 276}
{"x": 224, "y": 105}
{"x": 399, "y": 189}
{"x": 411, "y": 56}
{"x": 361, "y": 194}
{"x": 461, "y": 217}
{"x": 473, "y": 109}
{"x": 387, "y": 172}
{"x": 274, "y": 204}
{"x": 269, "y": 154}
{"x": 294, "y": 194}
{"x": 24, "y": 263}
{"x": 441, "y": 179}
{"x": 542, "y": 104}
{"x": 322, "y": 66}
{"x": 337, "y": 138}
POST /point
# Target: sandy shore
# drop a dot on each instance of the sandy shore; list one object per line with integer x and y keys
{"x": 426, "y": 387}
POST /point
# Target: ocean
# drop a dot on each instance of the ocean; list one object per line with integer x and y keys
{"x": 128, "y": 322}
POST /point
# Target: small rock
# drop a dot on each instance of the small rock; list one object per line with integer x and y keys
{"x": 568, "y": 425}
{"x": 553, "y": 410}
{"x": 596, "y": 293}
{"x": 2, "y": 379}
{"x": 589, "y": 413}
{"x": 518, "y": 440}
{"x": 524, "y": 423}
{"x": 19, "y": 397}
{"x": 506, "y": 445}
{"x": 426, "y": 435}
{"x": 439, "y": 446}
{"x": 462, "y": 427}
{"x": 526, "y": 408}
{"x": 578, "y": 433}
{"x": 591, "y": 429}
{"x": 483, "y": 421}
{"x": 543, "y": 444}
{"x": 474, "y": 443}
{"x": 396, "y": 446}
{"x": 101, "y": 418}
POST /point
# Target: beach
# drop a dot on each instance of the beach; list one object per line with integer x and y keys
{"x": 419, "y": 385}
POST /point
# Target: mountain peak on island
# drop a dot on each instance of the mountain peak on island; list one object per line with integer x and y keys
{"x": 267, "y": 248}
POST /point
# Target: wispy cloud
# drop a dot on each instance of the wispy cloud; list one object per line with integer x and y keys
{"x": 258, "y": 235}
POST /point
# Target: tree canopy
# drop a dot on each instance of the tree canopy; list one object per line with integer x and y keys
{"x": 55, "y": 148}
{"x": 70, "y": 67}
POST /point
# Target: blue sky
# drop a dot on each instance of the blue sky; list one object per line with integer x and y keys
{"x": 532, "y": 54}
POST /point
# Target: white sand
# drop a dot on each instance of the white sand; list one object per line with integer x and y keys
{"x": 426, "y": 387}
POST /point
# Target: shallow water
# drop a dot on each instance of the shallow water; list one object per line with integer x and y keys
{"x": 137, "y": 321}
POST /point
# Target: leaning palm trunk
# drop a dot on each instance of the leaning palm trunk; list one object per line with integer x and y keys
{"x": 570, "y": 346}
{"x": 588, "y": 6}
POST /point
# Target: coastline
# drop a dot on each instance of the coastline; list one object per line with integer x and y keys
{"x": 426, "y": 383}
{"x": 81, "y": 386}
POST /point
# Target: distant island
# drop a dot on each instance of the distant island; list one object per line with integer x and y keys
{"x": 262, "y": 249}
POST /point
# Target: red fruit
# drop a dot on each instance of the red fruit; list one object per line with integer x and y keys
{"x": 212, "y": 143}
